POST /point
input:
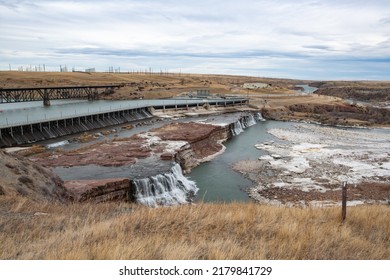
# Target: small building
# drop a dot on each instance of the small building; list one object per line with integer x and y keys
{"x": 255, "y": 85}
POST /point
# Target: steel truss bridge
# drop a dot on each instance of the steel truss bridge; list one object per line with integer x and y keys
{"x": 10, "y": 95}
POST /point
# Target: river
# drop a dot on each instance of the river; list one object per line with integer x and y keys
{"x": 217, "y": 181}
{"x": 307, "y": 89}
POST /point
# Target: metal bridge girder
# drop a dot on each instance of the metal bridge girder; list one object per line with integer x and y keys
{"x": 46, "y": 93}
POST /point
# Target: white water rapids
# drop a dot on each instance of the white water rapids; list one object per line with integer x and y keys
{"x": 170, "y": 188}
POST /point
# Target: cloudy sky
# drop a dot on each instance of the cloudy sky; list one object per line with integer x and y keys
{"x": 307, "y": 39}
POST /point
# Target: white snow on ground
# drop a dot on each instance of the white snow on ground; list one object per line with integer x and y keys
{"x": 206, "y": 121}
{"x": 170, "y": 146}
{"x": 173, "y": 146}
{"x": 296, "y": 164}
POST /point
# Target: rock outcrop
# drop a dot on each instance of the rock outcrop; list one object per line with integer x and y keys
{"x": 335, "y": 114}
{"x": 203, "y": 140}
{"x": 21, "y": 177}
{"x": 367, "y": 94}
{"x": 99, "y": 190}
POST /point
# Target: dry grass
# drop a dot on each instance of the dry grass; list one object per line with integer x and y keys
{"x": 141, "y": 85}
{"x": 33, "y": 150}
{"x": 203, "y": 231}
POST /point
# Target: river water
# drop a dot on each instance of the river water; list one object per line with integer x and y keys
{"x": 307, "y": 89}
{"x": 217, "y": 181}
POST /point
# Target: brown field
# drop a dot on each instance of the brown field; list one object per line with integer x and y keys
{"x": 205, "y": 231}
{"x": 145, "y": 85}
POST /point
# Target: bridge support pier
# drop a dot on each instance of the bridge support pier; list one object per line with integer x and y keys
{"x": 91, "y": 96}
{"x": 46, "y": 99}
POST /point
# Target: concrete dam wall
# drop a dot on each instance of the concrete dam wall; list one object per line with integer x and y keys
{"x": 34, "y": 132}
{"x": 37, "y": 130}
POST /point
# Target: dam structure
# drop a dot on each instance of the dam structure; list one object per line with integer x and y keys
{"x": 32, "y": 124}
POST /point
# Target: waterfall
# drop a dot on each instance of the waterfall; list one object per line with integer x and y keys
{"x": 171, "y": 188}
{"x": 259, "y": 117}
{"x": 237, "y": 128}
{"x": 245, "y": 122}
{"x": 249, "y": 120}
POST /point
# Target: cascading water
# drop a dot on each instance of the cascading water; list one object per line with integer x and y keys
{"x": 237, "y": 128}
{"x": 249, "y": 120}
{"x": 245, "y": 122}
{"x": 259, "y": 117}
{"x": 171, "y": 188}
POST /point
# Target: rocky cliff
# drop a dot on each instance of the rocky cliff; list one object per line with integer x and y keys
{"x": 204, "y": 140}
{"x": 333, "y": 114}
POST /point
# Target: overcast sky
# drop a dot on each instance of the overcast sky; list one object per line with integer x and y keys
{"x": 333, "y": 39}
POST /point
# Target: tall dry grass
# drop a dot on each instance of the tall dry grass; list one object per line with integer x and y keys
{"x": 203, "y": 231}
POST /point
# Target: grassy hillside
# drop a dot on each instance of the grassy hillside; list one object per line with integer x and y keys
{"x": 203, "y": 231}
{"x": 19, "y": 177}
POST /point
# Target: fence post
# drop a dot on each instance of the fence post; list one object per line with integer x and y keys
{"x": 344, "y": 202}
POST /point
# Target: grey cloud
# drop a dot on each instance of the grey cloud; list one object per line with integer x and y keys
{"x": 16, "y": 4}
{"x": 319, "y": 47}
{"x": 385, "y": 20}
{"x": 283, "y": 37}
{"x": 178, "y": 53}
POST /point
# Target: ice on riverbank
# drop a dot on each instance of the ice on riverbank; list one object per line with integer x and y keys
{"x": 309, "y": 163}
